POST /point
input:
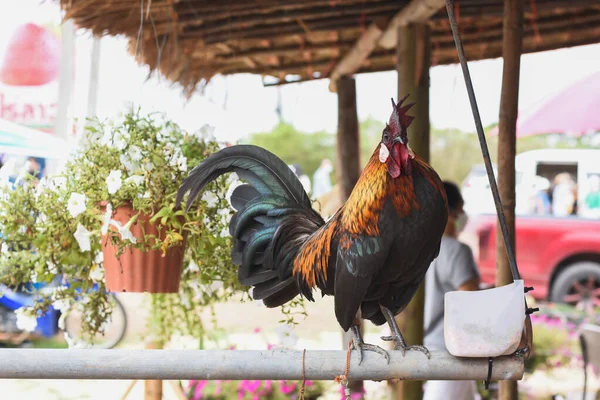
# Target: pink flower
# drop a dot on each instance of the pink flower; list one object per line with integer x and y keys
{"x": 198, "y": 389}
{"x": 249, "y": 386}
{"x": 309, "y": 383}
{"x": 218, "y": 387}
{"x": 257, "y": 330}
{"x": 267, "y": 386}
{"x": 271, "y": 346}
{"x": 232, "y": 347}
{"x": 285, "y": 388}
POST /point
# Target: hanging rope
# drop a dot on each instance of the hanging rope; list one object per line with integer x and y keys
{"x": 488, "y": 166}
{"x": 343, "y": 379}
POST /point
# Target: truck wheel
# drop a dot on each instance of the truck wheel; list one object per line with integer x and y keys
{"x": 578, "y": 285}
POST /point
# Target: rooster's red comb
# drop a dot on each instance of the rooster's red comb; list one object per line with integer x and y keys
{"x": 399, "y": 118}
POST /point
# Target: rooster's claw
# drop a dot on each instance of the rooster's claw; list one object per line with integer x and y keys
{"x": 401, "y": 345}
{"x": 360, "y": 347}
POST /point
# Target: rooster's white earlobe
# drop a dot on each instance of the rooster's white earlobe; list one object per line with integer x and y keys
{"x": 384, "y": 153}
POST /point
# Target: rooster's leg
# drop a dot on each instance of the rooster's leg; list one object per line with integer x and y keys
{"x": 397, "y": 336}
{"x": 360, "y": 345}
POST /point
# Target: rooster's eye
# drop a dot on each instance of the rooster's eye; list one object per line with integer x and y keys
{"x": 386, "y": 137}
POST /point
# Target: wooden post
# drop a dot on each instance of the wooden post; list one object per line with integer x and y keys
{"x": 348, "y": 162}
{"x": 509, "y": 104}
{"x": 347, "y": 136}
{"x": 153, "y": 389}
{"x": 413, "y": 61}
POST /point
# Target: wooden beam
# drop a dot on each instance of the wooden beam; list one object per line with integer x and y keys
{"x": 413, "y": 60}
{"x": 413, "y": 12}
{"x": 282, "y": 50}
{"x": 512, "y": 45}
{"x": 416, "y": 11}
{"x": 355, "y": 58}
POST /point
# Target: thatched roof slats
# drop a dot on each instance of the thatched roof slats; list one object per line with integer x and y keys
{"x": 242, "y": 23}
{"x": 304, "y": 28}
{"x": 189, "y": 41}
{"x": 218, "y": 11}
{"x": 496, "y": 9}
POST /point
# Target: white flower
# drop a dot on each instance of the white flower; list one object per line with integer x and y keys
{"x": 107, "y": 136}
{"x": 99, "y": 259}
{"x": 224, "y": 233}
{"x": 130, "y": 165}
{"x": 210, "y": 198}
{"x": 82, "y": 236}
{"x": 51, "y": 267}
{"x": 4, "y": 248}
{"x": 119, "y": 141}
{"x": 42, "y": 218}
{"x": 114, "y": 181}
{"x": 76, "y": 204}
{"x": 61, "y": 305}
{"x": 107, "y": 217}
{"x": 182, "y": 163}
{"x": 124, "y": 230}
{"x": 75, "y": 343}
{"x": 41, "y": 186}
{"x": 25, "y": 321}
{"x": 135, "y": 179}
{"x": 193, "y": 267}
{"x": 225, "y": 215}
{"x": 286, "y": 335}
{"x": 96, "y": 273}
{"x": 61, "y": 321}
{"x": 57, "y": 183}
{"x": 135, "y": 153}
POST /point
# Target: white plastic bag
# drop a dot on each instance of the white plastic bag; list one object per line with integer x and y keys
{"x": 485, "y": 323}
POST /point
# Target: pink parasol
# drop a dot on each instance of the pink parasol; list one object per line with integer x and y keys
{"x": 574, "y": 111}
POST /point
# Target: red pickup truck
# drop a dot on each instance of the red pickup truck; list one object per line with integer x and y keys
{"x": 559, "y": 257}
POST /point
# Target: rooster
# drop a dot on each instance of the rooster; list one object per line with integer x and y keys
{"x": 371, "y": 255}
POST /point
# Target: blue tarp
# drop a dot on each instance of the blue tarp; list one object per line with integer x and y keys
{"x": 20, "y": 140}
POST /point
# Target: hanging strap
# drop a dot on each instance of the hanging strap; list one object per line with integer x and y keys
{"x": 528, "y": 335}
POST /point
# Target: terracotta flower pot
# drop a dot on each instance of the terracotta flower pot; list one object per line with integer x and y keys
{"x": 141, "y": 271}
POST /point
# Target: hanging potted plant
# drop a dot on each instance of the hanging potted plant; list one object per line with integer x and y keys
{"x": 113, "y": 201}
{"x": 131, "y": 172}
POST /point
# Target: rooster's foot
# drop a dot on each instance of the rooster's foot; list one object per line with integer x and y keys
{"x": 359, "y": 345}
{"x": 401, "y": 345}
{"x": 397, "y": 336}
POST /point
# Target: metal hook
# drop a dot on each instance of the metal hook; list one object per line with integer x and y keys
{"x": 489, "y": 374}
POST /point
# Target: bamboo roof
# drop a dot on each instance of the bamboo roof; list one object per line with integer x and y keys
{"x": 189, "y": 41}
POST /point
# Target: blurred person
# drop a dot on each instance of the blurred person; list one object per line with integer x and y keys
{"x": 539, "y": 202}
{"x": 562, "y": 195}
{"x": 304, "y": 179}
{"x": 592, "y": 199}
{"x": 321, "y": 179}
{"x": 37, "y": 167}
{"x": 453, "y": 269}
